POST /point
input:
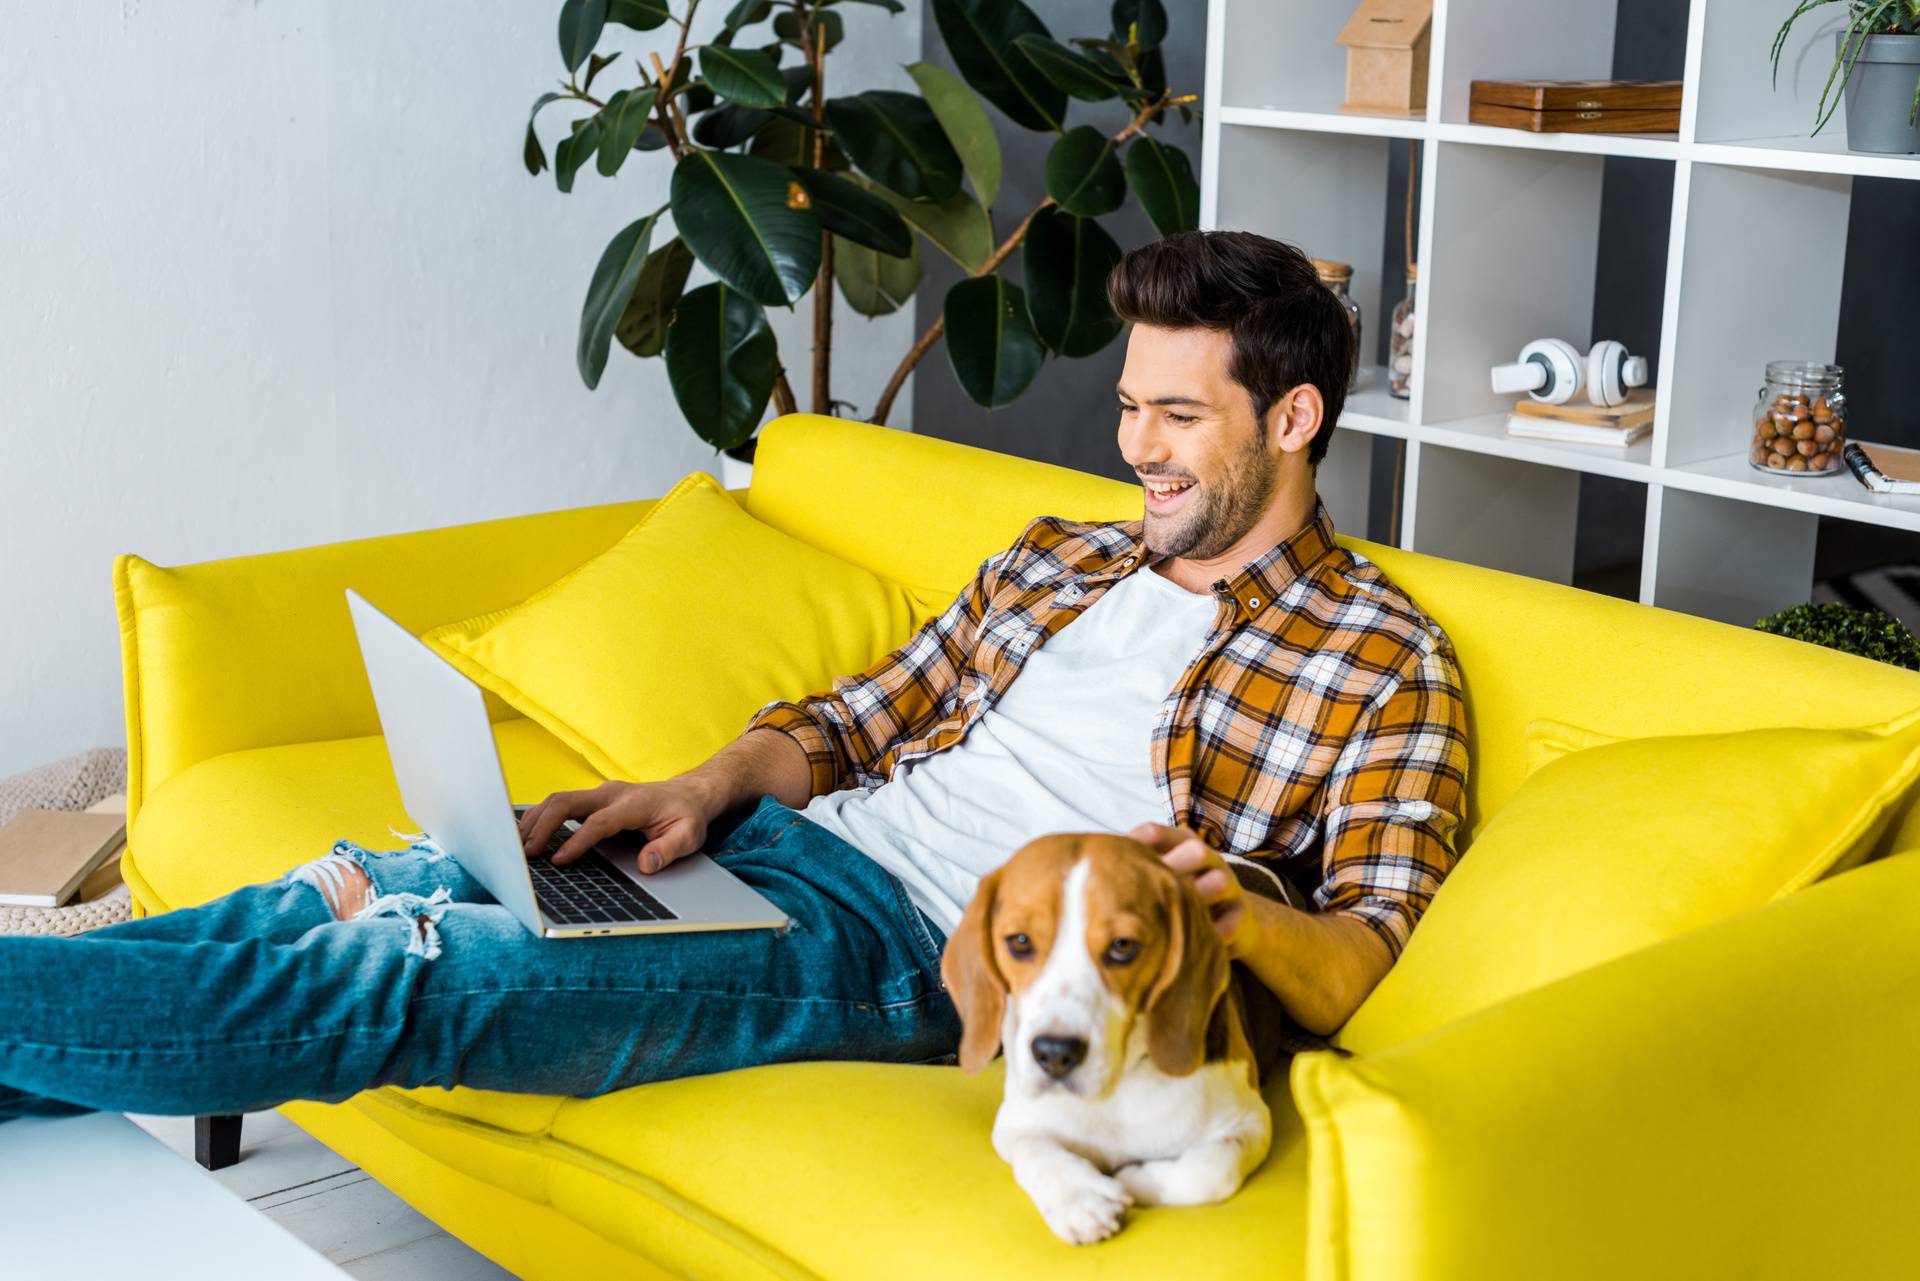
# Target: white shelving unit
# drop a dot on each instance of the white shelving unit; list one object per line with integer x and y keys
{"x": 1508, "y": 231}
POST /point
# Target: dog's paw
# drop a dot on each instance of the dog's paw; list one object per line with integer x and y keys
{"x": 1178, "y": 1181}
{"x": 1084, "y": 1209}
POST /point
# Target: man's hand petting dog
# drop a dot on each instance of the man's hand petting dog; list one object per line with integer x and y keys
{"x": 673, "y": 815}
{"x": 1181, "y": 849}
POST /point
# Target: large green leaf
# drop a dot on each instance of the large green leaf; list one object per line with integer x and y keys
{"x": 581, "y": 22}
{"x": 745, "y": 14}
{"x": 738, "y": 217}
{"x": 625, "y": 115}
{"x": 1147, "y": 19}
{"x": 640, "y": 15}
{"x": 895, "y": 139}
{"x": 607, "y": 294}
{"x": 1075, "y": 73}
{"x": 729, "y": 126}
{"x": 572, "y": 151}
{"x": 1163, "y": 181}
{"x": 990, "y": 341}
{"x": 891, "y": 6}
{"x": 530, "y": 151}
{"x": 745, "y": 76}
{"x": 786, "y": 25}
{"x": 966, "y": 124}
{"x": 848, "y": 210}
{"x": 980, "y": 36}
{"x": 642, "y": 328}
{"x": 875, "y": 284}
{"x": 786, "y": 141}
{"x": 721, "y": 362}
{"x": 1067, "y": 260}
{"x": 1083, "y": 174}
{"x": 958, "y": 226}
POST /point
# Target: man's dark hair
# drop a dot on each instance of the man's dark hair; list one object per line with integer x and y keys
{"x": 1287, "y": 327}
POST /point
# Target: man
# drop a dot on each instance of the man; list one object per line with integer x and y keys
{"x": 1260, "y": 705}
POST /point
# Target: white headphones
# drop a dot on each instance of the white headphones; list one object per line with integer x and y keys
{"x": 1553, "y": 371}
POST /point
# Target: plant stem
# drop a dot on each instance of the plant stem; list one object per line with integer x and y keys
{"x": 669, "y": 113}
{"x": 782, "y": 391}
{"x": 924, "y": 344}
{"x": 823, "y": 283}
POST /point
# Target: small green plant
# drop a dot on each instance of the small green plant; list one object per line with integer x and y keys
{"x": 1866, "y": 18}
{"x": 1866, "y": 632}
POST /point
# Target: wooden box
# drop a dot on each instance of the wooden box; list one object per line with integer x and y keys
{"x": 1577, "y": 106}
{"x": 1386, "y": 42}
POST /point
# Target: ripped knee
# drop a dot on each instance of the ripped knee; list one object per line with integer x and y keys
{"x": 341, "y": 880}
{"x": 351, "y": 895}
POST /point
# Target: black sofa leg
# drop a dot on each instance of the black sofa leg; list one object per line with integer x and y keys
{"x": 216, "y": 1141}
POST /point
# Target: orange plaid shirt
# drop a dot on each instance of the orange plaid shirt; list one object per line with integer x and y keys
{"x": 1318, "y": 739}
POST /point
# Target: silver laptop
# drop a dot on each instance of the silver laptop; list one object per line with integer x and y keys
{"x": 435, "y": 721}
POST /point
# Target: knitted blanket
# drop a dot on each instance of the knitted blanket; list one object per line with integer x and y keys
{"x": 75, "y": 783}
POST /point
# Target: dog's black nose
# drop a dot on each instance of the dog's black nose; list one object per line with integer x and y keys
{"x": 1058, "y": 1055}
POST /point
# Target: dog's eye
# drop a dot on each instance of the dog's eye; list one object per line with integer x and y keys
{"x": 1120, "y": 951}
{"x": 1020, "y": 945}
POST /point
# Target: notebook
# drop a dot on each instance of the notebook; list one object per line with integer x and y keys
{"x": 46, "y": 854}
{"x": 1885, "y": 469}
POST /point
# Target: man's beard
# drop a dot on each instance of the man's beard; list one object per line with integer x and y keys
{"x": 1219, "y": 515}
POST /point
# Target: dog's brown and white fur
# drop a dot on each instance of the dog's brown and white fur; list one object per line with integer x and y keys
{"x": 1130, "y": 1079}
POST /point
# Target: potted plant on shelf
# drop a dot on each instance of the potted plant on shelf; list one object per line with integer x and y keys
{"x": 1877, "y": 63}
{"x": 1869, "y": 633}
{"x": 779, "y": 189}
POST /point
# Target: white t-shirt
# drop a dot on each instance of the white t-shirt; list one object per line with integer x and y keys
{"x": 1067, "y": 748}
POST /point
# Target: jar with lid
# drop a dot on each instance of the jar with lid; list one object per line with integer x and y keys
{"x": 1400, "y": 340}
{"x": 1337, "y": 276}
{"x": 1800, "y": 421}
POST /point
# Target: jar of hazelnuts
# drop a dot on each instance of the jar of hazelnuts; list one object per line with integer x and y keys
{"x": 1800, "y": 423}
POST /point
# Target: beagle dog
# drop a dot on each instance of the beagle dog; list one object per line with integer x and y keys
{"x": 1130, "y": 1078}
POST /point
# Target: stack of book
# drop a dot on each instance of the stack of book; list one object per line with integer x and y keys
{"x": 1585, "y": 424}
{"x": 45, "y": 855}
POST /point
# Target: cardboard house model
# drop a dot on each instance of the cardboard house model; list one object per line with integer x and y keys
{"x": 1386, "y": 44}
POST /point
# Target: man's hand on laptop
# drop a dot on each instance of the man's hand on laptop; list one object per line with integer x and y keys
{"x": 673, "y": 816}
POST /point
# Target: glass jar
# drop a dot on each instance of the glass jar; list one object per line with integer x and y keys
{"x": 1337, "y": 276}
{"x": 1800, "y": 421}
{"x": 1400, "y": 341}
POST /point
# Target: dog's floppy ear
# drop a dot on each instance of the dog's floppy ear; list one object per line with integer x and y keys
{"x": 1193, "y": 979}
{"x": 973, "y": 978}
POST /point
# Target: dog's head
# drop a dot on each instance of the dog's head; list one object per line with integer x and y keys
{"x": 1070, "y": 948}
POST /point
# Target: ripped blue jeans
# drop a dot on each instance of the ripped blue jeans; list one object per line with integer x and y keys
{"x": 263, "y": 996}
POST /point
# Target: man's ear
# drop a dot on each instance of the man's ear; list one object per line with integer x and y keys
{"x": 1297, "y": 418}
{"x": 973, "y": 977}
{"x": 1193, "y": 978}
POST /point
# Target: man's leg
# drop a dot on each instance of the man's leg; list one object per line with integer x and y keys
{"x": 423, "y": 988}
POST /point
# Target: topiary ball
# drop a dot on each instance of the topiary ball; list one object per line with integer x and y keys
{"x": 1866, "y": 632}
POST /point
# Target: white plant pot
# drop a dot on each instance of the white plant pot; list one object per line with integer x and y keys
{"x": 734, "y": 474}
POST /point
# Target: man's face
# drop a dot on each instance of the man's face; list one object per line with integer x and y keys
{"x": 1184, "y": 420}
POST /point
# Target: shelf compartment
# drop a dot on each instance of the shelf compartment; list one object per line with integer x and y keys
{"x": 1370, "y": 408}
{"x": 1719, "y": 557}
{"x": 1765, "y": 252}
{"x": 1284, "y": 55}
{"x": 1495, "y": 511}
{"x": 1517, "y": 40}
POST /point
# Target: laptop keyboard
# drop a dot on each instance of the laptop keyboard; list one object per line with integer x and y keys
{"x": 591, "y": 891}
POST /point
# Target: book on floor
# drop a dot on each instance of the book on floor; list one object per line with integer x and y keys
{"x": 46, "y": 854}
{"x": 1885, "y": 469}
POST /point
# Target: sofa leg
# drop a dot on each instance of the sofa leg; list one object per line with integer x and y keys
{"x": 216, "y": 1141}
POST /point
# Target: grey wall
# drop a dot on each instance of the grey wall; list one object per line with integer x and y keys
{"x": 1067, "y": 416}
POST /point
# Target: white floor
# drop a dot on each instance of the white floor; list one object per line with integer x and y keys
{"x": 314, "y": 1193}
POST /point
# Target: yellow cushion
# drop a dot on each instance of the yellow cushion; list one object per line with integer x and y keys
{"x": 653, "y": 655}
{"x": 1609, "y": 849}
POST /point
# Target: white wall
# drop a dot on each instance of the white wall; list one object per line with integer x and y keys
{"x": 271, "y": 274}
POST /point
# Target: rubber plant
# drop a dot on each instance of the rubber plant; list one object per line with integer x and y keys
{"x": 780, "y": 189}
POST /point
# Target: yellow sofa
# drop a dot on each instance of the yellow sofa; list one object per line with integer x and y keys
{"x": 1740, "y": 1101}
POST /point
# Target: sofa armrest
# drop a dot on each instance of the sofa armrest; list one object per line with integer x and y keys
{"x": 1740, "y": 1101}
{"x": 259, "y": 651}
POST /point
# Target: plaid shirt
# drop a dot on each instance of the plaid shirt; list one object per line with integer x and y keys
{"x": 1317, "y": 740}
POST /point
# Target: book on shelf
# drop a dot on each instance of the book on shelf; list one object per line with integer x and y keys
{"x": 1620, "y": 424}
{"x": 46, "y": 854}
{"x": 1885, "y": 469}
